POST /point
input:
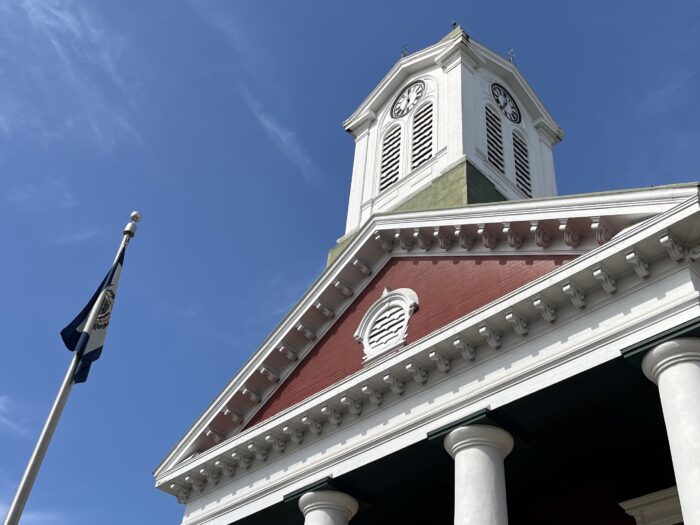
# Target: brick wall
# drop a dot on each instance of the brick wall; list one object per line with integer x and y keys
{"x": 447, "y": 287}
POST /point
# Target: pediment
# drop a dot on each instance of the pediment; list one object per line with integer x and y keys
{"x": 536, "y": 236}
{"x": 456, "y": 47}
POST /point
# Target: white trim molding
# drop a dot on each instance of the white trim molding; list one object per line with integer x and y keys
{"x": 658, "y": 508}
{"x": 385, "y": 325}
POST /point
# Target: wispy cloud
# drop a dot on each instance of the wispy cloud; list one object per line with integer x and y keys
{"x": 75, "y": 237}
{"x": 258, "y": 68}
{"x": 9, "y": 422}
{"x": 43, "y": 517}
{"x": 41, "y": 197}
{"x": 673, "y": 93}
{"x": 284, "y": 139}
{"x": 63, "y": 74}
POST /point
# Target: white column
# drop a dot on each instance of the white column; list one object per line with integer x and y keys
{"x": 675, "y": 367}
{"x": 327, "y": 507}
{"x": 480, "y": 484}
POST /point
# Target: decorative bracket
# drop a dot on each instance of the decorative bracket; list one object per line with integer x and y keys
{"x": 277, "y": 444}
{"x": 444, "y": 237}
{"x": 259, "y": 451}
{"x": 362, "y": 267}
{"x": 492, "y": 337}
{"x": 335, "y": 417}
{"x": 443, "y": 363}
{"x": 251, "y": 394}
{"x": 197, "y": 482}
{"x": 675, "y": 250}
{"x": 515, "y": 238}
{"x": 641, "y": 266}
{"x": 343, "y": 288}
{"x": 420, "y": 376}
{"x": 542, "y": 235}
{"x": 270, "y": 374}
{"x": 315, "y": 426}
{"x": 425, "y": 241}
{"x": 488, "y": 237}
{"x": 397, "y": 386}
{"x": 290, "y": 354}
{"x": 226, "y": 467}
{"x": 517, "y": 322}
{"x": 215, "y": 436}
{"x": 577, "y": 297}
{"x": 694, "y": 253}
{"x": 374, "y": 395}
{"x": 182, "y": 491}
{"x": 353, "y": 405}
{"x": 468, "y": 351}
{"x": 571, "y": 234}
{"x": 306, "y": 331}
{"x": 546, "y": 310}
{"x": 233, "y": 415}
{"x": 404, "y": 241}
{"x": 602, "y": 229}
{"x": 384, "y": 242}
{"x": 326, "y": 310}
{"x": 212, "y": 475}
{"x": 243, "y": 460}
{"x": 606, "y": 281}
{"x": 466, "y": 240}
{"x": 296, "y": 435}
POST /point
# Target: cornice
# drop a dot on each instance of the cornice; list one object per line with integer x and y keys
{"x": 367, "y": 245}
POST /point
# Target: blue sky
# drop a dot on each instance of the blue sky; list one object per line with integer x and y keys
{"x": 220, "y": 122}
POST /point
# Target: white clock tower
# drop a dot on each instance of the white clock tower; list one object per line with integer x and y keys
{"x": 450, "y": 125}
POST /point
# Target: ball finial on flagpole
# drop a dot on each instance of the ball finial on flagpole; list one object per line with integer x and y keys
{"x": 130, "y": 228}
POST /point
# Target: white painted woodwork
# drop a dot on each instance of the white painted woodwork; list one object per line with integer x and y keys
{"x": 327, "y": 507}
{"x": 455, "y": 119}
{"x": 480, "y": 485}
{"x": 675, "y": 367}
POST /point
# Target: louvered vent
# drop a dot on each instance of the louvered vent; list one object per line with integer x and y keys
{"x": 494, "y": 139}
{"x": 387, "y": 326}
{"x": 422, "y": 148}
{"x": 391, "y": 149}
{"x": 522, "y": 166}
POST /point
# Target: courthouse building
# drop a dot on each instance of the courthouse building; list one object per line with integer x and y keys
{"x": 478, "y": 350}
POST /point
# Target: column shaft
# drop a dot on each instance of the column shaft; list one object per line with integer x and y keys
{"x": 675, "y": 367}
{"x": 480, "y": 486}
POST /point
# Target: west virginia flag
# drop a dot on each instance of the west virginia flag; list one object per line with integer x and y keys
{"x": 86, "y": 333}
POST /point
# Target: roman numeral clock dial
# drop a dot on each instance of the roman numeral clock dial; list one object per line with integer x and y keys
{"x": 505, "y": 103}
{"x": 407, "y": 99}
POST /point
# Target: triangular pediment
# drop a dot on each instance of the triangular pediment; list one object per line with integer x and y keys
{"x": 469, "y": 262}
{"x": 456, "y": 47}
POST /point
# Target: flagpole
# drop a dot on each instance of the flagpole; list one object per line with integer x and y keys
{"x": 25, "y": 485}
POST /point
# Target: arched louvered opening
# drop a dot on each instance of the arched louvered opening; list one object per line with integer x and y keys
{"x": 494, "y": 139}
{"x": 422, "y": 147}
{"x": 391, "y": 153}
{"x": 522, "y": 165}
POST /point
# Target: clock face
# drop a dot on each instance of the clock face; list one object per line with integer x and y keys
{"x": 506, "y": 103}
{"x": 407, "y": 99}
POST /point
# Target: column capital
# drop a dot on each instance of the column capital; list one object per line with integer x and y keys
{"x": 478, "y": 435}
{"x": 668, "y": 354}
{"x": 328, "y": 500}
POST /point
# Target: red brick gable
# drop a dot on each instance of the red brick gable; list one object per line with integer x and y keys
{"x": 448, "y": 288}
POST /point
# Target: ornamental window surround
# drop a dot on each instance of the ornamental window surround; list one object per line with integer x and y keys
{"x": 384, "y": 326}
